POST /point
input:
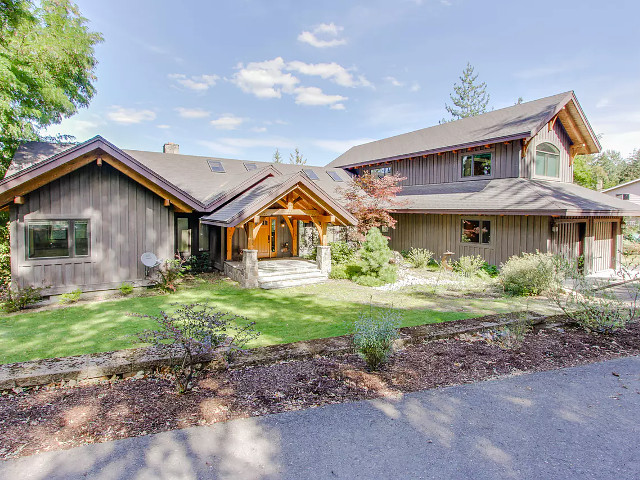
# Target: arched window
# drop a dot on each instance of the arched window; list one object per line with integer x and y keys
{"x": 547, "y": 160}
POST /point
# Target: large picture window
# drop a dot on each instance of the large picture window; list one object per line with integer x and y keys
{"x": 203, "y": 237}
{"x": 58, "y": 238}
{"x": 547, "y": 160}
{"x": 476, "y": 165}
{"x": 380, "y": 172}
{"x": 476, "y": 231}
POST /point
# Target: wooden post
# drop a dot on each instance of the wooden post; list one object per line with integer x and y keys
{"x": 250, "y": 225}
{"x": 230, "y": 231}
{"x": 323, "y": 234}
{"x": 294, "y": 241}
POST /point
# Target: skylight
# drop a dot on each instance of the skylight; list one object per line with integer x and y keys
{"x": 311, "y": 174}
{"x": 250, "y": 166}
{"x": 215, "y": 166}
{"x": 335, "y": 176}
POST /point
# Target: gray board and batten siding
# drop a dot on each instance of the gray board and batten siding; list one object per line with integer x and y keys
{"x": 126, "y": 220}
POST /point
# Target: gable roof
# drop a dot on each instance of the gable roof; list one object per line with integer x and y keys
{"x": 512, "y": 123}
{"x": 621, "y": 185}
{"x": 512, "y": 196}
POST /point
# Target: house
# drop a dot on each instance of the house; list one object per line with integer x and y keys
{"x": 499, "y": 184}
{"x": 81, "y": 215}
{"x": 494, "y": 185}
{"x": 629, "y": 191}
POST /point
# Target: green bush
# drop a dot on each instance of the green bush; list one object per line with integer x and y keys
{"x": 170, "y": 271}
{"x": 375, "y": 253}
{"x": 12, "y": 300}
{"x": 125, "y": 288}
{"x": 339, "y": 272}
{"x": 5, "y": 253}
{"x": 199, "y": 263}
{"x": 71, "y": 297}
{"x": 469, "y": 266}
{"x": 374, "y": 333}
{"x": 490, "y": 270}
{"x": 342, "y": 253}
{"x": 530, "y": 274}
{"x": 419, "y": 257}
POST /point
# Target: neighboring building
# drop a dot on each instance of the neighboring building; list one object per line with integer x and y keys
{"x": 626, "y": 191}
{"x": 82, "y": 215}
{"x": 499, "y": 184}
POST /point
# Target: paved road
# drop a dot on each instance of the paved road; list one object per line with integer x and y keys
{"x": 577, "y": 423}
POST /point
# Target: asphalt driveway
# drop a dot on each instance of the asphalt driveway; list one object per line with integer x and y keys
{"x": 578, "y": 423}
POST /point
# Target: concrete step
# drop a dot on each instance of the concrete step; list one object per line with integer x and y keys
{"x": 292, "y": 280}
{"x": 285, "y": 271}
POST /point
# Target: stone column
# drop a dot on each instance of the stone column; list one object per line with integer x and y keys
{"x": 323, "y": 258}
{"x": 250, "y": 269}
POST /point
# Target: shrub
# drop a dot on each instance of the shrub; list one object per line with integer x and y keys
{"x": 595, "y": 307}
{"x": 490, "y": 270}
{"x": 71, "y": 297}
{"x": 199, "y": 263}
{"x": 12, "y": 300}
{"x": 125, "y": 288}
{"x": 373, "y": 269}
{"x": 469, "y": 266}
{"x": 342, "y": 253}
{"x": 530, "y": 274}
{"x": 195, "y": 331}
{"x": 419, "y": 257}
{"x": 374, "y": 334}
{"x": 170, "y": 271}
{"x": 339, "y": 272}
{"x": 5, "y": 254}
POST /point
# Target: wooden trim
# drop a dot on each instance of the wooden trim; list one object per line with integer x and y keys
{"x": 230, "y": 231}
{"x": 19, "y": 200}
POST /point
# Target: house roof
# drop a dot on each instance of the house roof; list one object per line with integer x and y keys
{"x": 516, "y": 122}
{"x": 512, "y": 196}
{"x": 622, "y": 185}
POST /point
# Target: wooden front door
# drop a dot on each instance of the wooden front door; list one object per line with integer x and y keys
{"x": 266, "y": 239}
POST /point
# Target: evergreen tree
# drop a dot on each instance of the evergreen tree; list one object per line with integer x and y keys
{"x": 470, "y": 99}
{"x": 296, "y": 158}
{"x": 47, "y": 66}
{"x": 631, "y": 168}
{"x": 277, "y": 158}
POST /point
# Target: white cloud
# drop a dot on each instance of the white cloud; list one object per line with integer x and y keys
{"x": 129, "y": 116}
{"x": 163, "y": 126}
{"x": 227, "y": 121}
{"x": 197, "y": 83}
{"x": 265, "y": 79}
{"x": 332, "y": 71}
{"x": 415, "y": 86}
{"x": 315, "y": 96}
{"x": 322, "y": 36}
{"x": 259, "y": 129}
{"x": 394, "y": 81}
{"x": 236, "y": 146}
{"x": 340, "y": 146}
{"x": 192, "y": 112}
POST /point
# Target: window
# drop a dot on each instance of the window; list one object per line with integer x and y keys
{"x": 184, "y": 235}
{"x": 380, "y": 172}
{"x": 476, "y": 165}
{"x": 623, "y": 196}
{"x": 334, "y": 176}
{"x": 547, "y": 160}
{"x": 53, "y": 238}
{"x": 250, "y": 166}
{"x": 476, "y": 231}
{"x": 203, "y": 236}
{"x": 215, "y": 166}
{"x": 310, "y": 173}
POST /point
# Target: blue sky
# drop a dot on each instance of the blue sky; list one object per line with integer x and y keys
{"x": 239, "y": 79}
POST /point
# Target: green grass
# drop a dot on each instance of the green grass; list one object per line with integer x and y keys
{"x": 281, "y": 316}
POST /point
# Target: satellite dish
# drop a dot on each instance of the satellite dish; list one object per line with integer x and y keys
{"x": 149, "y": 260}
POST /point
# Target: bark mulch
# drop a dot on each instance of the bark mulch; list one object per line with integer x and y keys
{"x": 42, "y": 419}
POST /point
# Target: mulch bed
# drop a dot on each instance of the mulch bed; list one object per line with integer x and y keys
{"x": 44, "y": 419}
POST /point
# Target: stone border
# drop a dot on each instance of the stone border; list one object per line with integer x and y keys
{"x": 101, "y": 366}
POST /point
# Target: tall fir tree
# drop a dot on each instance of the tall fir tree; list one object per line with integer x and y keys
{"x": 469, "y": 98}
{"x": 296, "y": 157}
{"x": 277, "y": 158}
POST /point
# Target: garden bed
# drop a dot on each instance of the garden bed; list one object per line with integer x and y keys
{"x": 46, "y": 419}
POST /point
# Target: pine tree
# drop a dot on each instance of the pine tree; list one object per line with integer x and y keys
{"x": 277, "y": 158}
{"x": 471, "y": 98}
{"x": 296, "y": 158}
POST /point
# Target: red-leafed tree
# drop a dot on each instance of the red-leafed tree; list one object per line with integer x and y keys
{"x": 370, "y": 198}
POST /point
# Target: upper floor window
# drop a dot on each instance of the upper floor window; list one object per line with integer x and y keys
{"x": 380, "y": 172}
{"x": 547, "y": 160}
{"x": 58, "y": 238}
{"x": 476, "y": 165}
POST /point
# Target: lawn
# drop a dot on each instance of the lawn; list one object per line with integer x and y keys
{"x": 281, "y": 316}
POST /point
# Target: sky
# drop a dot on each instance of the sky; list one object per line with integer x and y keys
{"x": 238, "y": 79}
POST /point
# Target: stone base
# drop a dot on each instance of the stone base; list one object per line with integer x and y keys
{"x": 250, "y": 269}
{"x": 323, "y": 258}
